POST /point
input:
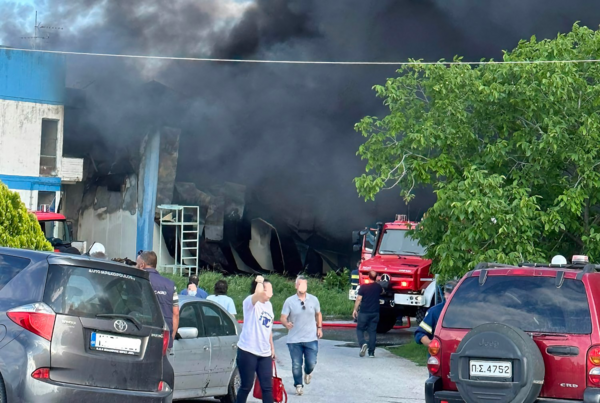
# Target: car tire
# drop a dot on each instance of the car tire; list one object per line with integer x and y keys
{"x": 498, "y": 342}
{"x": 232, "y": 389}
{"x": 420, "y": 315}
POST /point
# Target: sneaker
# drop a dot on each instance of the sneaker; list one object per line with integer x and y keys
{"x": 299, "y": 390}
{"x": 372, "y": 355}
{"x": 363, "y": 350}
{"x": 307, "y": 378}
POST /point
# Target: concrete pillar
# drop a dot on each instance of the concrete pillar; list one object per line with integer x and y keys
{"x": 147, "y": 188}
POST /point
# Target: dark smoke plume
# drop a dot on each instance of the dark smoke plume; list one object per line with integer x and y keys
{"x": 285, "y": 131}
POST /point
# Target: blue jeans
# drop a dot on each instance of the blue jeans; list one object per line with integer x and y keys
{"x": 303, "y": 352}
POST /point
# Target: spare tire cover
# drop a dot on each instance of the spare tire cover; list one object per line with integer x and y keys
{"x": 498, "y": 342}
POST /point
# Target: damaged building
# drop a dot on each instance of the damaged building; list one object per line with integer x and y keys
{"x": 131, "y": 197}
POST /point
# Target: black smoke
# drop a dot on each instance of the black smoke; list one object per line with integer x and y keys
{"x": 285, "y": 131}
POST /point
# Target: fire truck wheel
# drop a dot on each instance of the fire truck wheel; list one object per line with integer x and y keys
{"x": 387, "y": 320}
{"x": 420, "y": 315}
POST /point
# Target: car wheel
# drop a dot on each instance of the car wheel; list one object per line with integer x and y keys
{"x": 232, "y": 390}
{"x": 502, "y": 346}
{"x": 420, "y": 315}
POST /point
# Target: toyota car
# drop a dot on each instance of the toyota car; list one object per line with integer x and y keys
{"x": 73, "y": 328}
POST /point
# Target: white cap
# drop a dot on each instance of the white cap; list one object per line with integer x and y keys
{"x": 97, "y": 247}
{"x": 559, "y": 259}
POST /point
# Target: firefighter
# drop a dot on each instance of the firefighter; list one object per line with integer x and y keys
{"x": 424, "y": 333}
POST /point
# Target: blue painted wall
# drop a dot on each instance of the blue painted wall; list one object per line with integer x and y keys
{"x": 32, "y": 77}
{"x": 147, "y": 189}
{"x": 47, "y": 184}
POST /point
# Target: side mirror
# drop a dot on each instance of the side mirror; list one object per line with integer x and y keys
{"x": 187, "y": 333}
{"x": 355, "y": 238}
{"x": 70, "y": 227}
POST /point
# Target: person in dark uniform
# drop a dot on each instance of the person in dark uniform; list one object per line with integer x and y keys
{"x": 424, "y": 333}
{"x": 368, "y": 318}
{"x": 165, "y": 291}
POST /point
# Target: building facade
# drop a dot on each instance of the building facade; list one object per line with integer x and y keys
{"x": 32, "y": 94}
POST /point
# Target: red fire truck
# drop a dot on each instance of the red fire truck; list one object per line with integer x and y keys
{"x": 57, "y": 231}
{"x": 410, "y": 288}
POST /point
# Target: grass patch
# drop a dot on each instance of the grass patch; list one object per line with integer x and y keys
{"x": 414, "y": 352}
{"x": 334, "y": 302}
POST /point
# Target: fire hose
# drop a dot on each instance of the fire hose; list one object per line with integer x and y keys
{"x": 339, "y": 325}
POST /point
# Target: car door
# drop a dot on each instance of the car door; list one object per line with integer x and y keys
{"x": 192, "y": 356}
{"x": 223, "y": 338}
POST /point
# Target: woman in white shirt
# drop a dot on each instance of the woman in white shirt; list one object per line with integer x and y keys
{"x": 255, "y": 347}
{"x": 221, "y": 297}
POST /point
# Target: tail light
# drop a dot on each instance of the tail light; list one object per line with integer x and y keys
{"x": 434, "y": 361}
{"x": 166, "y": 339}
{"x": 594, "y": 366}
{"x": 41, "y": 373}
{"x": 163, "y": 387}
{"x": 38, "y": 318}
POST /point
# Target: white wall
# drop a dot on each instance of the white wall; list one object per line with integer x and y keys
{"x": 21, "y": 133}
{"x": 116, "y": 231}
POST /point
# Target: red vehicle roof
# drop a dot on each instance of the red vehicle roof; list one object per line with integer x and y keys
{"x": 48, "y": 216}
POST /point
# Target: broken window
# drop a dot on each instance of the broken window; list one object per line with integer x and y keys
{"x": 49, "y": 147}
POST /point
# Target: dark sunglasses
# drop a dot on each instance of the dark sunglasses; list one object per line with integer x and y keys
{"x": 303, "y": 306}
{"x": 140, "y": 252}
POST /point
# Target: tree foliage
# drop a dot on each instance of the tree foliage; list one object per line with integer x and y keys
{"x": 511, "y": 150}
{"x": 18, "y": 228}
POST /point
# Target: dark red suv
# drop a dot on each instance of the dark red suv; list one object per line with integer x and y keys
{"x": 519, "y": 334}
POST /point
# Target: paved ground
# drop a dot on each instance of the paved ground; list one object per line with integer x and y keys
{"x": 341, "y": 373}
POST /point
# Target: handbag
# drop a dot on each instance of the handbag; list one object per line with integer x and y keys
{"x": 279, "y": 393}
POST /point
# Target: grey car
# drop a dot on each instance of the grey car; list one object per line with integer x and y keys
{"x": 204, "y": 351}
{"x": 76, "y": 329}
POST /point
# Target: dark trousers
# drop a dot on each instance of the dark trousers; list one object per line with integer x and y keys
{"x": 249, "y": 365}
{"x": 367, "y": 322}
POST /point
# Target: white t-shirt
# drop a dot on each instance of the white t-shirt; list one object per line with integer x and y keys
{"x": 258, "y": 325}
{"x": 225, "y": 301}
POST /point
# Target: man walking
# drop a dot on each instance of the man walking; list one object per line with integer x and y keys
{"x": 301, "y": 315}
{"x": 368, "y": 318}
{"x": 165, "y": 291}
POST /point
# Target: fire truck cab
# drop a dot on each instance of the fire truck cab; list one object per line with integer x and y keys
{"x": 410, "y": 287}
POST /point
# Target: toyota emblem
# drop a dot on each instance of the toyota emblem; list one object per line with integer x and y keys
{"x": 385, "y": 277}
{"x": 120, "y": 325}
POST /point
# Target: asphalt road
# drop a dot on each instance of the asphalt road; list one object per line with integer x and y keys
{"x": 341, "y": 373}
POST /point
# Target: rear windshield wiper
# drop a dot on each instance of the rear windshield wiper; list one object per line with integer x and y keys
{"x": 136, "y": 322}
{"x": 557, "y": 335}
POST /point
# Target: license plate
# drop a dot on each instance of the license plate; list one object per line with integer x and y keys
{"x": 491, "y": 369}
{"x": 115, "y": 344}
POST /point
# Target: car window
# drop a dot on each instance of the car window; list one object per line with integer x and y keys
{"x": 190, "y": 317}
{"x": 86, "y": 292}
{"x": 10, "y": 266}
{"x": 533, "y": 304}
{"x": 213, "y": 321}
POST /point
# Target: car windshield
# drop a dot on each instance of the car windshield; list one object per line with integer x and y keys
{"x": 56, "y": 230}
{"x": 533, "y": 304}
{"x": 87, "y": 292}
{"x": 399, "y": 242}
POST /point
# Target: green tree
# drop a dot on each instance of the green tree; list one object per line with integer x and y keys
{"x": 18, "y": 228}
{"x": 511, "y": 151}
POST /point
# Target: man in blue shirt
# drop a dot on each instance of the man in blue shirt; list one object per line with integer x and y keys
{"x": 193, "y": 290}
{"x": 424, "y": 333}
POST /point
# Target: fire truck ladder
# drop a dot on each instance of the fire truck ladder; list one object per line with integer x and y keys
{"x": 186, "y": 220}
